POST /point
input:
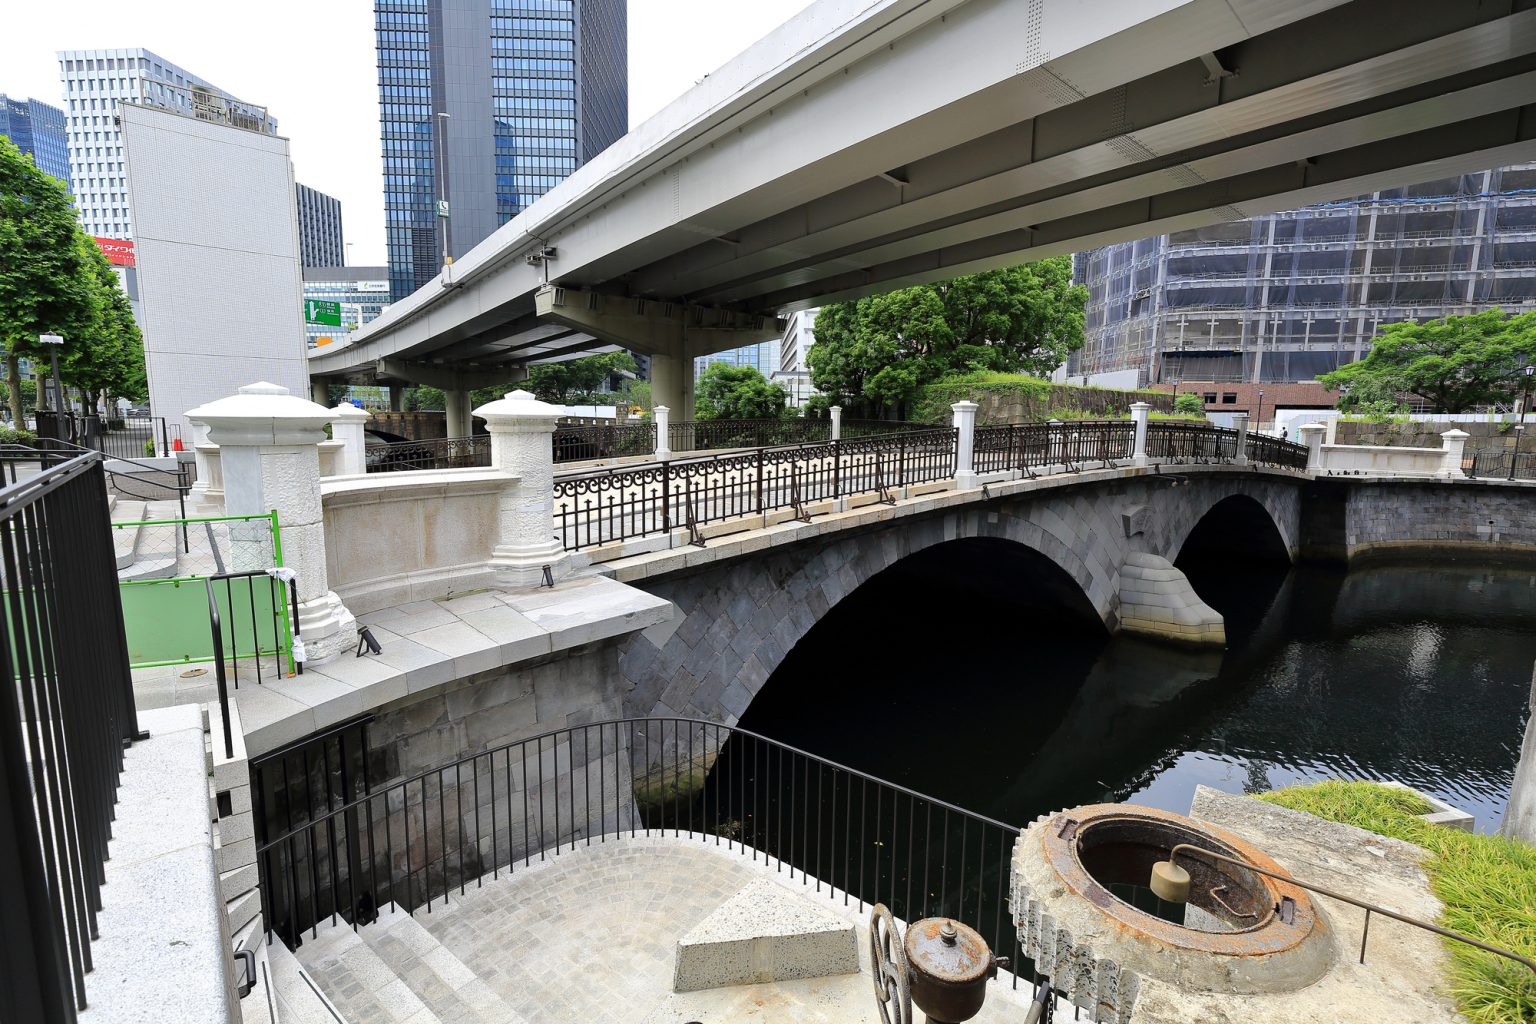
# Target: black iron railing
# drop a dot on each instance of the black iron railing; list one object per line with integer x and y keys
{"x": 438, "y": 453}
{"x": 127, "y": 437}
{"x": 425, "y": 840}
{"x": 251, "y": 616}
{"x": 1191, "y": 442}
{"x": 1030, "y": 447}
{"x": 602, "y": 506}
{"x": 1500, "y": 465}
{"x": 712, "y": 435}
{"x": 140, "y": 480}
{"x": 1273, "y": 451}
{"x": 66, "y": 713}
{"x": 582, "y": 442}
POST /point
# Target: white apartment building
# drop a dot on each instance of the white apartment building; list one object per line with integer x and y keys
{"x": 95, "y": 82}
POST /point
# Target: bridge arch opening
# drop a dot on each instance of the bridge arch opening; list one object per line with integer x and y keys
{"x": 955, "y": 654}
{"x": 1236, "y": 559}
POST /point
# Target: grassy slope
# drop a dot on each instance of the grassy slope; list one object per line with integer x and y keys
{"x": 1487, "y": 884}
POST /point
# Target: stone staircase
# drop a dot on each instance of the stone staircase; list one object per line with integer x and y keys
{"x": 143, "y": 550}
{"x": 396, "y": 970}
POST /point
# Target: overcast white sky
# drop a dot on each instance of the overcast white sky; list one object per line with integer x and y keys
{"x": 312, "y": 63}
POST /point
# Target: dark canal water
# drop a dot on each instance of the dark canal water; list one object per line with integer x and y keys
{"x": 975, "y": 673}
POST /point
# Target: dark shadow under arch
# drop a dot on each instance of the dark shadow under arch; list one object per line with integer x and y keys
{"x": 1237, "y": 526}
{"x": 966, "y": 642}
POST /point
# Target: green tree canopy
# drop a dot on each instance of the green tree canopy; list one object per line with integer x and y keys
{"x": 725, "y": 392}
{"x": 1189, "y": 404}
{"x": 881, "y": 350}
{"x": 53, "y": 280}
{"x": 1455, "y": 363}
{"x": 560, "y": 383}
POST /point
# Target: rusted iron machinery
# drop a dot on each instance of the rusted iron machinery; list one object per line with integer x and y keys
{"x": 942, "y": 966}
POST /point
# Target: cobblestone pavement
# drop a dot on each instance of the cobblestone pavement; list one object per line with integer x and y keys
{"x": 587, "y": 936}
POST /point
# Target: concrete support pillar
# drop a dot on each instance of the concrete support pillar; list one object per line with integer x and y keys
{"x": 269, "y": 447}
{"x": 837, "y": 422}
{"x": 1312, "y": 437}
{"x": 663, "y": 417}
{"x": 965, "y": 444}
{"x": 1240, "y": 423}
{"x": 458, "y": 419}
{"x": 672, "y": 385}
{"x": 347, "y": 423}
{"x": 521, "y": 447}
{"x": 1455, "y": 442}
{"x": 397, "y": 398}
{"x": 1139, "y": 413}
{"x": 320, "y": 391}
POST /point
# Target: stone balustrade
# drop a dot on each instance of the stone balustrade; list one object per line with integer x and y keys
{"x": 1442, "y": 463}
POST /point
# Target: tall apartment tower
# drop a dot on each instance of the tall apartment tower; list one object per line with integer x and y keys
{"x": 320, "y": 239}
{"x": 95, "y": 82}
{"x": 1290, "y": 296}
{"x": 532, "y": 89}
{"x": 37, "y": 129}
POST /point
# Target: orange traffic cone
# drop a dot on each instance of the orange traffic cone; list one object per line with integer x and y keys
{"x": 176, "y": 445}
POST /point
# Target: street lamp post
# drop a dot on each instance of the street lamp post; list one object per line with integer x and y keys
{"x": 442, "y": 189}
{"x": 1258, "y": 421}
{"x": 1519, "y": 436}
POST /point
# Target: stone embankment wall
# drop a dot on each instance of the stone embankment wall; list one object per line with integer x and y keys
{"x": 417, "y": 426}
{"x": 1487, "y": 520}
{"x": 1485, "y": 436}
{"x": 1000, "y": 409}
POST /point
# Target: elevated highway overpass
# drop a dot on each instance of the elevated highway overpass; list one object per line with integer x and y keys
{"x": 871, "y": 144}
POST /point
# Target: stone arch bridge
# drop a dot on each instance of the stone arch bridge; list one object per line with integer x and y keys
{"x": 1114, "y": 534}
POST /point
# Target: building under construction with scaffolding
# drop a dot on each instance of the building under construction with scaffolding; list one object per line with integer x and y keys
{"x": 1290, "y": 296}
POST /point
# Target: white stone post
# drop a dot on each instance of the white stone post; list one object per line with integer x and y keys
{"x": 1312, "y": 437}
{"x": 521, "y": 447}
{"x": 1455, "y": 442}
{"x": 1139, "y": 412}
{"x": 965, "y": 444}
{"x": 1240, "y": 423}
{"x": 347, "y": 422}
{"x": 269, "y": 449}
{"x": 662, "y": 416}
{"x": 203, "y": 453}
{"x": 837, "y": 422}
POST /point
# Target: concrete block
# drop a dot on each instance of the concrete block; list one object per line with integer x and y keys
{"x": 764, "y": 933}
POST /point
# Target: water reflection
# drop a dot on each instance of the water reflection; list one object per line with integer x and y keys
{"x": 962, "y": 675}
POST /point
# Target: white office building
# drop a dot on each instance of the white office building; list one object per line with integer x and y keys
{"x": 95, "y": 84}
{"x": 217, "y": 245}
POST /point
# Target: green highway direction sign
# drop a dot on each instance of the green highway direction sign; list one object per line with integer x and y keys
{"x": 318, "y": 311}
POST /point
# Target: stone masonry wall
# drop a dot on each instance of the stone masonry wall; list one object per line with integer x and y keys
{"x": 1496, "y": 437}
{"x": 737, "y": 619}
{"x": 507, "y": 804}
{"x": 1472, "y": 518}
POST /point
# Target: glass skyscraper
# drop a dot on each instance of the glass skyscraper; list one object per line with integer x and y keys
{"x": 532, "y": 89}
{"x": 37, "y": 129}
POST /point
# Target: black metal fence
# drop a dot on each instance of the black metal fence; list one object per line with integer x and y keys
{"x": 584, "y": 442}
{"x": 1273, "y": 451}
{"x": 427, "y": 839}
{"x": 251, "y": 616}
{"x": 66, "y": 713}
{"x": 128, "y": 437}
{"x": 438, "y": 453}
{"x": 1190, "y": 442}
{"x": 1500, "y": 465}
{"x": 602, "y": 506}
{"x": 1029, "y": 447}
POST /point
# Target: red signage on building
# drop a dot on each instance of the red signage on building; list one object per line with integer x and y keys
{"x": 117, "y": 250}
